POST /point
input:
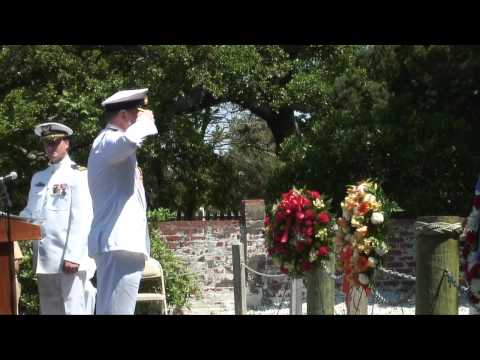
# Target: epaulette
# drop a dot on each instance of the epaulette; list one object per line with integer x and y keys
{"x": 78, "y": 167}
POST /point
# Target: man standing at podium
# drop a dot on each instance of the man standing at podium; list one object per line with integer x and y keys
{"x": 119, "y": 239}
{"x": 59, "y": 199}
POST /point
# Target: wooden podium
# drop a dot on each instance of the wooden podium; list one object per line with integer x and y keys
{"x": 20, "y": 229}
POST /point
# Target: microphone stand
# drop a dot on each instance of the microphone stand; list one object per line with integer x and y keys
{"x": 8, "y": 206}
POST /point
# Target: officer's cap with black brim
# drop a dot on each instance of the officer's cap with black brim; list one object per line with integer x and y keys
{"x": 125, "y": 99}
{"x": 52, "y": 130}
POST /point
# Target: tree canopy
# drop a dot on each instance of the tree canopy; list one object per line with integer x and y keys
{"x": 253, "y": 120}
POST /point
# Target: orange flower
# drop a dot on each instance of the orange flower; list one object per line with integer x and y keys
{"x": 363, "y": 208}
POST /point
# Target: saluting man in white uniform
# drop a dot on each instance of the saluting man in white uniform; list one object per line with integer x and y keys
{"x": 60, "y": 200}
{"x": 119, "y": 240}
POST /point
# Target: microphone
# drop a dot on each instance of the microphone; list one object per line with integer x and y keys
{"x": 12, "y": 176}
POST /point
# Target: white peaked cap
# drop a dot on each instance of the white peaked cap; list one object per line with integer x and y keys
{"x": 52, "y": 129}
{"x": 125, "y": 98}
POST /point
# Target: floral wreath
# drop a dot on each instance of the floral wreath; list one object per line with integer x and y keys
{"x": 298, "y": 232}
{"x": 471, "y": 254}
{"x": 360, "y": 237}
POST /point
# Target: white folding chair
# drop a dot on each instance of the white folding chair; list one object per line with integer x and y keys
{"x": 153, "y": 271}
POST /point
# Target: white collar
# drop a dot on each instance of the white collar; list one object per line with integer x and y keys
{"x": 64, "y": 162}
{"x": 113, "y": 127}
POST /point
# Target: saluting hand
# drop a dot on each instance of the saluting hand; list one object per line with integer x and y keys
{"x": 145, "y": 114}
{"x": 70, "y": 267}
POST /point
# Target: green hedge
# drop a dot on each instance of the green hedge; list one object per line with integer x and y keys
{"x": 29, "y": 301}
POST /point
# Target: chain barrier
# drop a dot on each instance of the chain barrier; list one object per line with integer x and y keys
{"x": 449, "y": 276}
{"x": 451, "y": 281}
{"x": 465, "y": 289}
{"x": 402, "y": 300}
{"x": 396, "y": 273}
{"x": 262, "y": 274}
{"x": 270, "y": 276}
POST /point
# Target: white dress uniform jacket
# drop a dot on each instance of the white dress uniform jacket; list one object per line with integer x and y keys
{"x": 116, "y": 187}
{"x": 60, "y": 200}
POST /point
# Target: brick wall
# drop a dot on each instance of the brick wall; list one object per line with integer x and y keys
{"x": 206, "y": 248}
{"x": 401, "y": 256}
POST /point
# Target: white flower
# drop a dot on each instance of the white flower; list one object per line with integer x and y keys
{"x": 274, "y": 208}
{"x": 363, "y": 279}
{"x": 318, "y": 203}
{"x": 361, "y": 188}
{"x": 369, "y": 198}
{"x": 377, "y": 218}
{"x": 381, "y": 249}
{"x": 372, "y": 262}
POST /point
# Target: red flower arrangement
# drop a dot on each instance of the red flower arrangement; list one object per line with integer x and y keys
{"x": 298, "y": 231}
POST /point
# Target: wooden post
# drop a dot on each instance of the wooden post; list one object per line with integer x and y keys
{"x": 321, "y": 290}
{"x": 434, "y": 253}
{"x": 296, "y": 297}
{"x": 239, "y": 283}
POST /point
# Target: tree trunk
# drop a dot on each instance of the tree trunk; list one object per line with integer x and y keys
{"x": 281, "y": 123}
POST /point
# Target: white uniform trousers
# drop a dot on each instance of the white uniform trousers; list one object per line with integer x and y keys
{"x": 62, "y": 294}
{"x": 90, "y": 295}
{"x": 118, "y": 279}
